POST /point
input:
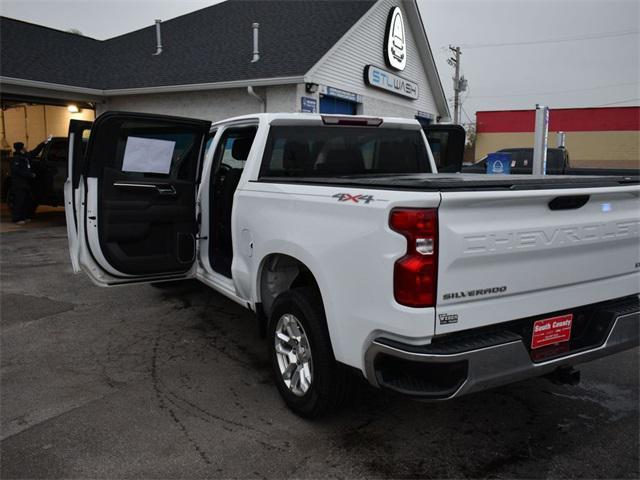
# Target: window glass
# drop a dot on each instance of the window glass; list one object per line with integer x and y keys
{"x": 234, "y": 146}
{"x": 277, "y": 153}
{"x": 301, "y": 151}
{"x": 438, "y": 143}
{"x": 155, "y": 152}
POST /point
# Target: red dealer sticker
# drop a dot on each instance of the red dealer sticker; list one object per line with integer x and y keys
{"x": 551, "y": 330}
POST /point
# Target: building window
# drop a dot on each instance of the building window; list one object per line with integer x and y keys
{"x": 337, "y": 106}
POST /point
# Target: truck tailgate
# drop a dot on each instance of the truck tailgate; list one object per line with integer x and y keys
{"x": 505, "y": 255}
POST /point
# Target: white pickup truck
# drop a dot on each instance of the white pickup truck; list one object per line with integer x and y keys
{"x": 355, "y": 254}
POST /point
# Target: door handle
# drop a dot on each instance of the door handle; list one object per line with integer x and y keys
{"x": 161, "y": 189}
{"x": 168, "y": 190}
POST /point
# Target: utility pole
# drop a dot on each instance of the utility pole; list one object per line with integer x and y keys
{"x": 459, "y": 84}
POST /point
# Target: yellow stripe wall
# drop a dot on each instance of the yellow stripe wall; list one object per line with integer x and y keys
{"x": 615, "y": 149}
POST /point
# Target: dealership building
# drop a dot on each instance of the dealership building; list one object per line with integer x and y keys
{"x": 237, "y": 57}
{"x": 594, "y": 137}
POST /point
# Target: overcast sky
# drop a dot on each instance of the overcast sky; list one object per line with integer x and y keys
{"x": 510, "y": 53}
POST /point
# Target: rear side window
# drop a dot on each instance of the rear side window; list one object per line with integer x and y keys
{"x": 233, "y": 148}
{"x": 320, "y": 151}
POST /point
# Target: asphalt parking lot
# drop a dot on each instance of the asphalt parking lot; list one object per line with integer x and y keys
{"x": 145, "y": 383}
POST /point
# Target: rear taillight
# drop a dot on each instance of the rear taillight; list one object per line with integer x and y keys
{"x": 415, "y": 274}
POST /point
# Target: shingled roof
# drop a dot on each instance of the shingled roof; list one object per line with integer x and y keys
{"x": 207, "y": 46}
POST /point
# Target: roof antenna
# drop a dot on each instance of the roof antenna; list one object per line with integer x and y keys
{"x": 256, "y": 51}
{"x": 158, "y": 38}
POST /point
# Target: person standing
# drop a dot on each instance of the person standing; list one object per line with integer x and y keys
{"x": 21, "y": 182}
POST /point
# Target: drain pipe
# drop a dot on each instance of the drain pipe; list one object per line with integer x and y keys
{"x": 158, "y": 38}
{"x": 256, "y": 57}
{"x": 253, "y": 93}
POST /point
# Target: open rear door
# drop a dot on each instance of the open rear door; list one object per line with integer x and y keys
{"x": 447, "y": 145}
{"x": 79, "y": 131}
{"x": 137, "y": 213}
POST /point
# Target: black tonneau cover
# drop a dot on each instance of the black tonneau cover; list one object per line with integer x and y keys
{"x": 460, "y": 182}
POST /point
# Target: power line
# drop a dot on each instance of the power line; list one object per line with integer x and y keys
{"x": 471, "y": 122}
{"x": 557, "y": 92}
{"x": 574, "y": 38}
{"x": 620, "y": 101}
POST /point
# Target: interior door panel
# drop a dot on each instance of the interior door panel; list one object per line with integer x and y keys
{"x": 146, "y": 166}
{"x": 141, "y": 228}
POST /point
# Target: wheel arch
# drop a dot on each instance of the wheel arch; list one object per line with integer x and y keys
{"x": 278, "y": 273}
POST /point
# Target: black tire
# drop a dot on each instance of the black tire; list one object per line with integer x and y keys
{"x": 331, "y": 382}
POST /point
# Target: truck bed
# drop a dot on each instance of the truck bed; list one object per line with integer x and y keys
{"x": 463, "y": 182}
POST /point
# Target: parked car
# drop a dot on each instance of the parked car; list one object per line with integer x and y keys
{"x": 356, "y": 255}
{"x": 50, "y": 167}
{"x": 558, "y": 163}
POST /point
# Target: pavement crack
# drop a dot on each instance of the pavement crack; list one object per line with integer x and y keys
{"x": 163, "y": 404}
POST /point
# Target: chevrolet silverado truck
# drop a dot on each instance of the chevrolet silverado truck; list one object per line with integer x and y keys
{"x": 355, "y": 254}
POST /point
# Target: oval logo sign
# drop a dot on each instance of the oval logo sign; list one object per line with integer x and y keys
{"x": 395, "y": 42}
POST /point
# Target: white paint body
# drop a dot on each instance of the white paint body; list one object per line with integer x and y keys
{"x": 548, "y": 260}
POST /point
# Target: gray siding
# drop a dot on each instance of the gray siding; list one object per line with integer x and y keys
{"x": 363, "y": 45}
{"x": 211, "y": 105}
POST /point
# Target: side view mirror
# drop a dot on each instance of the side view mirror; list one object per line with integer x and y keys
{"x": 447, "y": 145}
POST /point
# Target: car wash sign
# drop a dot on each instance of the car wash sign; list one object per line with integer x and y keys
{"x": 378, "y": 78}
{"x": 395, "y": 56}
{"x": 395, "y": 52}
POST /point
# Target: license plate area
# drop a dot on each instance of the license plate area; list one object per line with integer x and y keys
{"x": 551, "y": 331}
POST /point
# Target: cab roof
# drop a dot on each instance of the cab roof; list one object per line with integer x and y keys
{"x": 317, "y": 119}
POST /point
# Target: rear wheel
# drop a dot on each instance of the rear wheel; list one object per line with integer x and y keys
{"x": 306, "y": 373}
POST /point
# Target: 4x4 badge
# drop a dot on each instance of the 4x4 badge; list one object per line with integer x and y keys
{"x": 347, "y": 197}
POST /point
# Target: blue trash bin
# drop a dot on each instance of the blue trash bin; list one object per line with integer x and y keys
{"x": 499, "y": 163}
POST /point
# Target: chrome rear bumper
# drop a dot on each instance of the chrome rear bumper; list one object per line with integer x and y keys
{"x": 482, "y": 368}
